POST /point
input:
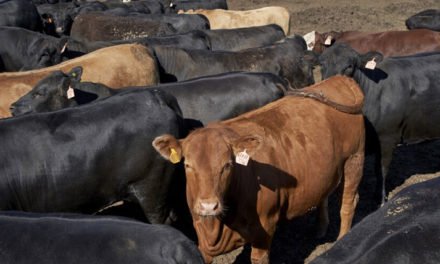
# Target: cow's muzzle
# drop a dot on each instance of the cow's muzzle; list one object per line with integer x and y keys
{"x": 208, "y": 207}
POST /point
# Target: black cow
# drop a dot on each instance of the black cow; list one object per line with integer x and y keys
{"x": 244, "y": 38}
{"x": 84, "y": 158}
{"x": 195, "y": 39}
{"x": 98, "y": 26}
{"x": 30, "y": 238}
{"x": 401, "y": 98}
{"x": 22, "y": 49}
{"x": 288, "y": 59}
{"x": 201, "y": 100}
{"x": 20, "y": 13}
{"x": 176, "y": 5}
{"x": 144, "y": 6}
{"x": 404, "y": 230}
{"x": 429, "y": 19}
{"x": 57, "y": 18}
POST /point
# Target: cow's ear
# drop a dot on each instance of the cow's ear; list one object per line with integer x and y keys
{"x": 169, "y": 147}
{"x": 75, "y": 74}
{"x": 47, "y": 18}
{"x": 249, "y": 144}
{"x": 369, "y": 59}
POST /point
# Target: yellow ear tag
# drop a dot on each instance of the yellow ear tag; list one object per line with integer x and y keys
{"x": 174, "y": 157}
{"x": 73, "y": 74}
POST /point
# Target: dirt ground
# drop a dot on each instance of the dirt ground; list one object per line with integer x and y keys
{"x": 295, "y": 240}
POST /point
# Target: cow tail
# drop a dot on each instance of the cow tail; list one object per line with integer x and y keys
{"x": 355, "y": 109}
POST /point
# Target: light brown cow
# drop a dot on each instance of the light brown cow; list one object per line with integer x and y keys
{"x": 389, "y": 43}
{"x": 228, "y": 19}
{"x": 300, "y": 151}
{"x": 117, "y": 66}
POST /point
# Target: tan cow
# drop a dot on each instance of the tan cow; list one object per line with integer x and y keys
{"x": 227, "y": 19}
{"x": 300, "y": 149}
{"x": 117, "y": 66}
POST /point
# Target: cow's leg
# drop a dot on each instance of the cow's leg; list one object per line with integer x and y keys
{"x": 323, "y": 220}
{"x": 383, "y": 161}
{"x": 153, "y": 193}
{"x": 353, "y": 168}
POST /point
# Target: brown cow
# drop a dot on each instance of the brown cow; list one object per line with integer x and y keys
{"x": 117, "y": 66}
{"x": 300, "y": 150}
{"x": 389, "y": 43}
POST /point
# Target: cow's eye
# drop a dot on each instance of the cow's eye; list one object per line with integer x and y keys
{"x": 188, "y": 167}
{"x": 348, "y": 70}
{"x": 226, "y": 167}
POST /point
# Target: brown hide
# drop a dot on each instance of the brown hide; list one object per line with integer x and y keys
{"x": 300, "y": 149}
{"x": 117, "y": 66}
{"x": 389, "y": 43}
{"x": 228, "y": 19}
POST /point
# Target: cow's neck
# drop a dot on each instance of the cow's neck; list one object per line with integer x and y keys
{"x": 361, "y": 78}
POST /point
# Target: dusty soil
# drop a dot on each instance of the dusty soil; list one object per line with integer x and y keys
{"x": 295, "y": 240}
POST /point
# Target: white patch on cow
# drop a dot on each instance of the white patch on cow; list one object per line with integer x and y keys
{"x": 371, "y": 64}
{"x": 242, "y": 158}
{"x": 126, "y": 1}
{"x": 70, "y": 93}
{"x": 64, "y": 48}
{"x": 328, "y": 41}
{"x": 310, "y": 39}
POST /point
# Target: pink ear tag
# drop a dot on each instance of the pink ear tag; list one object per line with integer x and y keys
{"x": 70, "y": 93}
{"x": 242, "y": 158}
{"x": 371, "y": 64}
{"x": 328, "y": 41}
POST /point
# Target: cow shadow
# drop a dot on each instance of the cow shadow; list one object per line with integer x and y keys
{"x": 376, "y": 75}
{"x": 242, "y": 200}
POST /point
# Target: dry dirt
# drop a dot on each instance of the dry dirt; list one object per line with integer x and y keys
{"x": 295, "y": 240}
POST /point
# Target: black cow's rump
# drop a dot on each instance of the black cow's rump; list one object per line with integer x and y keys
{"x": 429, "y": 19}
{"x": 31, "y": 238}
{"x": 84, "y": 158}
{"x": 404, "y": 230}
{"x": 22, "y": 49}
{"x": 20, "y": 13}
{"x": 401, "y": 98}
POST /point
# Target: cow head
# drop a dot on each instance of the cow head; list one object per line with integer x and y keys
{"x": 58, "y": 22}
{"x": 210, "y": 159}
{"x": 45, "y": 52}
{"x": 342, "y": 59}
{"x": 50, "y": 94}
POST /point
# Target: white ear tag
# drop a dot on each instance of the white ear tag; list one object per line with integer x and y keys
{"x": 64, "y": 48}
{"x": 328, "y": 41}
{"x": 242, "y": 158}
{"x": 371, "y": 64}
{"x": 70, "y": 93}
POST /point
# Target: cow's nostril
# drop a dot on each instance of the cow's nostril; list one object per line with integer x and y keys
{"x": 209, "y": 206}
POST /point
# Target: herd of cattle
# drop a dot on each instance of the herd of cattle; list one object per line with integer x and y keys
{"x": 209, "y": 119}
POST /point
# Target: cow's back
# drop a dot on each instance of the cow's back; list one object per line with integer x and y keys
{"x": 118, "y": 66}
{"x": 394, "y": 43}
{"x": 47, "y": 156}
{"x": 306, "y": 141}
{"x": 404, "y": 230}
